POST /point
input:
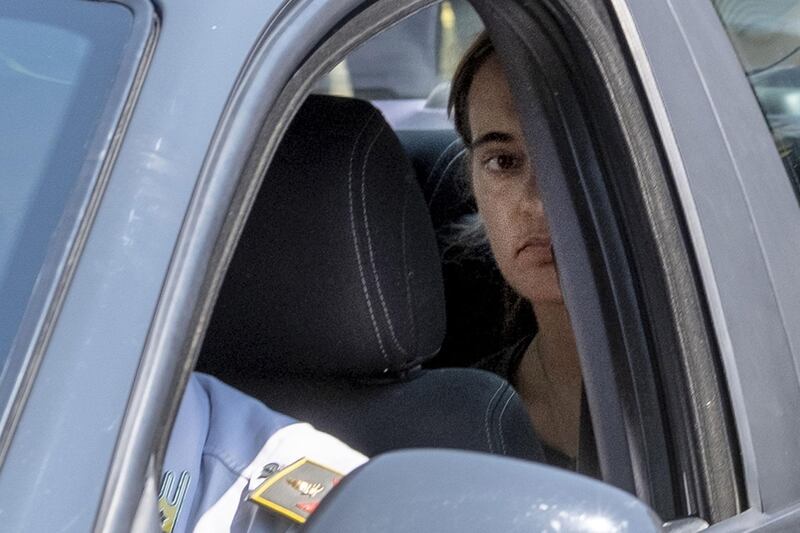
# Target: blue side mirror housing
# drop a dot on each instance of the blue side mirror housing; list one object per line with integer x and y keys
{"x": 456, "y": 491}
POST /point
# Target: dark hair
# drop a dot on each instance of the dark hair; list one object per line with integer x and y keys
{"x": 466, "y": 237}
{"x": 473, "y": 59}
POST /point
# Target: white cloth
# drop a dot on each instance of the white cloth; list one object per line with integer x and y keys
{"x": 220, "y": 443}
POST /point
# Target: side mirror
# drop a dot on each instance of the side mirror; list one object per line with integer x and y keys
{"x": 457, "y": 491}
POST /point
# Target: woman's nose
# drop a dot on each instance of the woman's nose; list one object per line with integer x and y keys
{"x": 533, "y": 208}
{"x": 531, "y": 199}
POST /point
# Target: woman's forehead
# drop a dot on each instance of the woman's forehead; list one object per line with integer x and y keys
{"x": 491, "y": 106}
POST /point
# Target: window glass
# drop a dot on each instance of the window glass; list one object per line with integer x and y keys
{"x": 405, "y": 71}
{"x": 766, "y": 36}
{"x": 58, "y": 62}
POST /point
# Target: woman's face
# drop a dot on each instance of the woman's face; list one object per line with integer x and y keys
{"x": 506, "y": 188}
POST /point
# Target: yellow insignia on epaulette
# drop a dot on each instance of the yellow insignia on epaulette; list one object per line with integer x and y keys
{"x": 170, "y": 499}
{"x": 298, "y": 495}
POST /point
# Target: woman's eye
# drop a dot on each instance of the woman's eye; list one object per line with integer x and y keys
{"x": 503, "y": 163}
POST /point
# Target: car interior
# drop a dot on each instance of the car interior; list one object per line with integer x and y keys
{"x": 339, "y": 240}
{"x": 382, "y": 310}
{"x": 354, "y": 300}
{"x": 324, "y": 264}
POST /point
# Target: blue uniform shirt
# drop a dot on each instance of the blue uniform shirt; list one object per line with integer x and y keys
{"x": 222, "y": 443}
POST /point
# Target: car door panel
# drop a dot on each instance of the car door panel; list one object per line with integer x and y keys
{"x": 739, "y": 205}
{"x": 71, "y": 422}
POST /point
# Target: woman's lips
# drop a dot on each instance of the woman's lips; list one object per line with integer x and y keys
{"x": 537, "y": 249}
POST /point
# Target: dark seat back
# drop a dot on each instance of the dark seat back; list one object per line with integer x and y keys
{"x": 334, "y": 298}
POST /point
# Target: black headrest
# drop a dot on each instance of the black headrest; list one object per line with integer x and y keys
{"x": 337, "y": 270}
{"x": 439, "y": 157}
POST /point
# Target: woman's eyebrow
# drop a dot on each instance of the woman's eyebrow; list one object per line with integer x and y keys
{"x": 492, "y": 136}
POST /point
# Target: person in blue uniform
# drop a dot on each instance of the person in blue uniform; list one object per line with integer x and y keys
{"x": 234, "y": 465}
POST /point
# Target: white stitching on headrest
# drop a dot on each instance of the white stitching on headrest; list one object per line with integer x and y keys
{"x": 439, "y": 159}
{"x": 355, "y": 242}
{"x": 500, "y": 421}
{"x": 406, "y": 273}
{"x": 444, "y": 173}
{"x": 486, "y": 416}
{"x": 369, "y": 242}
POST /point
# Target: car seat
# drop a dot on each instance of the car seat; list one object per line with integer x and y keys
{"x": 334, "y": 300}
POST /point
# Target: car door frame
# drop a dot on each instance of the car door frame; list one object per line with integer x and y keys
{"x": 218, "y": 209}
{"x": 73, "y": 430}
{"x": 210, "y": 237}
{"x": 740, "y": 208}
{"x": 231, "y": 174}
{"x": 257, "y": 113}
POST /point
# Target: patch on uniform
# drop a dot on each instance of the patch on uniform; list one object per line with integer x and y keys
{"x": 295, "y": 491}
{"x": 170, "y": 499}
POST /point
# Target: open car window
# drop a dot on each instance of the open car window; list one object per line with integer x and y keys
{"x": 406, "y": 70}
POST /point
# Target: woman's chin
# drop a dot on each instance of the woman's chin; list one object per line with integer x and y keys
{"x": 540, "y": 285}
{"x": 547, "y": 299}
{"x": 539, "y": 294}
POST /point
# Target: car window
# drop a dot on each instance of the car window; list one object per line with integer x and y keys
{"x": 405, "y": 71}
{"x": 58, "y": 62}
{"x": 766, "y": 36}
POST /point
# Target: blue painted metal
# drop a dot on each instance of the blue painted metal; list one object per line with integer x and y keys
{"x": 67, "y": 433}
{"x": 742, "y": 217}
{"x": 457, "y": 491}
{"x": 738, "y": 202}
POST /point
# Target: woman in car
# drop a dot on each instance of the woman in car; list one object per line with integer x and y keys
{"x": 545, "y": 369}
